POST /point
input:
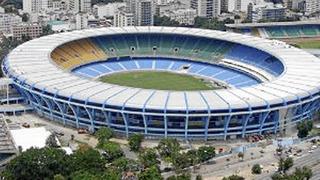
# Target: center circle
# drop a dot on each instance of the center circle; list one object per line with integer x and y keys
{"x": 160, "y": 80}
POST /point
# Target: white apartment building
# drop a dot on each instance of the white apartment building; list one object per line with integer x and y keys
{"x": 268, "y": 12}
{"x": 207, "y": 8}
{"x": 123, "y": 18}
{"x": 34, "y": 6}
{"x": 144, "y": 13}
{"x": 7, "y": 20}
{"x": 107, "y": 10}
{"x": 81, "y": 21}
{"x": 183, "y": 16}
{"x": 80, "y": 5}
{"x": 1, "y": 9}
{"x": 312, "y": 6}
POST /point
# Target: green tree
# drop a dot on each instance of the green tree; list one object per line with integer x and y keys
{"x": 303, "y": 173}
{"x": 111, "y": 150}
{"x": 104, "y": 134}
{"x": 199, "y": 177}
{"x": 206, "y": 152}
{"x": 168, "y": 148}
{"x": 52, "y": 141}
{"x": 181, "y": 161}
{"x": 304, "y": 128}
{"x": 85, "y": 175}
{"x": 125, "y": 164}
{"x": 285, "y": 164}
{"x": 233, "y": 177}
{"x": 87, "y": 159}
{"x": 25, "y": 17}
{"x": 135, "y": 142}
{"x": 256, "y": 169}
{"x": 165, "y": 21}
{"x": 35, "y": 163}
{"x": 148, "y": 158}
{"x": 46, "y": 30}
{"x": 150, "y": 173}
{"x": 241, "y": 155}
{"x": 59, "y": 177}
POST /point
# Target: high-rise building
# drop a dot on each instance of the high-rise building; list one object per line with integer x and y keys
{"x": 312, "y": 6}
{"x": 80, "y": 5}
{"x": 123, "y": 18}
{"x": 224, "y": 6}
{"x": 144, "y": 13}
{"x": 267, "y": 12}
{"x": 7, "y": 20}
{"x": 81, "y": 21}
{"x": 28, "y": 30}
{"x": 206, "y": 8}
{"x": 34, "y": 6}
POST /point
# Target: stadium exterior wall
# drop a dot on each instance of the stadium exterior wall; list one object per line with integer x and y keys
{"x": 188, "y": 124}
{"x": 300, "y": 102}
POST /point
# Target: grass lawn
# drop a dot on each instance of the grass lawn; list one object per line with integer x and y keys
{"x": 158, "y": 80}
{"x": 312, "y": 44}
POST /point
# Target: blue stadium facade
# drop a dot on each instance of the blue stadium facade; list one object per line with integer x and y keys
{"x": 269, "y": 85}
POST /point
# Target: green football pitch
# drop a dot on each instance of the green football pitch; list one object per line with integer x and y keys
{"x": 158, "y": 80}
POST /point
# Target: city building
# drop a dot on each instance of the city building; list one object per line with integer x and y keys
{"x": 144, "y": 13}
{"x": 1, "y": 10}
{"x": 80, "y": 5}
{"x": 123, "y": 18}
{"x": 267, "y": 12}
{"x": 81, "y": 21}
{"x": 7, "y": 20}
{"x": 206, "y": 8}
{"x": 312, "y": 6}
{"x": 107, "y": 10}
{"x": 183, "y": 16}
{"x": 27, "y": 30}
{"x": 34, "y": 6}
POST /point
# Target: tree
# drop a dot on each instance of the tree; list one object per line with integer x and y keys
{"x": 25, "y": 17}
{"x": 111, "y": 150}
{"x": 148, "y": 158}
{"x": 214, "y": 23}
{"x": 104, "y": 134}
{"x": 125, "y": 164}
{"x": 84, "y": 175}
{"x": 168, "y": 147}
{"x": 285, "y": 164}
{"x": 233, "y": 177}
{"x": 241, "y": 155}
{"x": 199, "y": 177}
{"x": 165, "y": 21}
{"x": 135, "y": 142}
{"x": 206, "y": 152}
{"x": 181, "y": 161}
{"x": 52, "y": 141}
{"x": 59, "y": 177}
{"x": 35, "y": 163}
{"x": 150, "y": 173}
{"x": 46, "y": 30}
{"x": 303, "y": 173}
{"x": 256, "y": 169}
{"x": 88, "y": 159}
{"x": 304, "y": 128}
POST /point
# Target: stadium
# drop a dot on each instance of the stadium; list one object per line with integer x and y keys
{"x": 240, "y": 84}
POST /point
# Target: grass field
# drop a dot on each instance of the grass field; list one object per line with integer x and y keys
{"x": 158, "y": 80}
{"x": 305, "y": 43}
